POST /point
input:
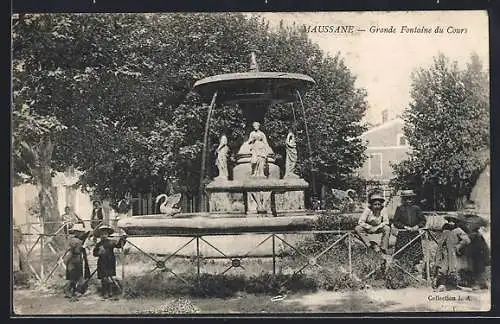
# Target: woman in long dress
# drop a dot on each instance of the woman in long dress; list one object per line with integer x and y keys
{"x": 449, "y": 256}
{"x": 259, "y": 150}
{"x": 477, "y": 254}
{"x": 221, "y": 161}
{"x": 291, "y": 154}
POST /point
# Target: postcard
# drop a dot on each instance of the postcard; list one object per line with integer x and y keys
{"x": 283, "y": 163}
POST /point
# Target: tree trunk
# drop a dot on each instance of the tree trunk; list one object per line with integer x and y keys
{"x": 47, "y": 195}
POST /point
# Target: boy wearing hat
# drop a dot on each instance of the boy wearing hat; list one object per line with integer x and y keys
{"x": 106, "y": 262}
{"x": 449, "y": 253}
{"x": 374, "y": 220}
{"x": 75, "y": 259}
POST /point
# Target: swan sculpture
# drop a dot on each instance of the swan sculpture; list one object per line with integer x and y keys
{"x": 169, "y": 204}
{"x": 346, "y": 199}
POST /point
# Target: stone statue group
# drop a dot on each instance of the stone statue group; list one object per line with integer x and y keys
{"x": 259, "y": 149}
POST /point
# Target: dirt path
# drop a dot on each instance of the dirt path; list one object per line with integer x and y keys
{"x": 30, "y": 302}
{"x": 400, "y": 300}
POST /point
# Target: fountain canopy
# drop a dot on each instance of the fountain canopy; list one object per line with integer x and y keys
{"x": 253, "y": 86}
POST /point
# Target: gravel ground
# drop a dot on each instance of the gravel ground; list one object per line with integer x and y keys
{"x": 39, "y": 302}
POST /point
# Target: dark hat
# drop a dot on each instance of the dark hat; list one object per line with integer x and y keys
{"x": 104, "y": 228}
{"x": 376, "y": 197}
{"x": 407, "y": 193}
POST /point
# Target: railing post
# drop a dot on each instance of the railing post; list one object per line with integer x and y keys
{"x": 198, "y": 258}
{"x": 42, "y": 276}
{"x": 123, "y": 263}
{"x": 274, "y": 254}
{"x": 349, "y": 253}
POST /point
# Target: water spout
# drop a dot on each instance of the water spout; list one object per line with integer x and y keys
{"x": 254, "y": 67}
{"x": 313, "y": 178}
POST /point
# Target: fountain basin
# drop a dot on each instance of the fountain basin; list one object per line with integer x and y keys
{"x": 158, "y": 225}
{"x": 234, "y": 236}
{"x": 257, "y": 184}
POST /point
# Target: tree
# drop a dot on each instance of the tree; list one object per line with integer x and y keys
{"x": 122, "y": 85}
{"x": 447, "y": 126}
{"x": 54, "y": 70}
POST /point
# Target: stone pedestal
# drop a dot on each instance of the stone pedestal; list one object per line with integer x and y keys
{"x": 243, "y": 171}
{"x": 220, "y": 202}
{"x": 290, "y": 201}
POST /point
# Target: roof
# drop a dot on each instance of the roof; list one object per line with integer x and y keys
{"x": 385, "y": 125}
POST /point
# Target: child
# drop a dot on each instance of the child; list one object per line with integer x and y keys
{"x": 374, "y": 220}
{"x": 450, "y": 251}
{"x": 76, "y": 260}
{"x": 106, "y": 262}
{"x": 477, "y": 253}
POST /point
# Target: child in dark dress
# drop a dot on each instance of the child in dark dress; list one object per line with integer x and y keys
{"x": 75, "y": 260}
{"x": 106, "y": 262}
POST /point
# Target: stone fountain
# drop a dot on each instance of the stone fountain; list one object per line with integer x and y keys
{"x": 256, "y": 198}
{"x": 256, "y": 187}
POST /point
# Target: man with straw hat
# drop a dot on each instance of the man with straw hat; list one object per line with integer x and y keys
{"x": 374, "y": 220}
{"x": 449, "y": 260}
{"x": 106, "y": 262}
{"x": 409, "y": 219}
{"x": 76, "y": 259}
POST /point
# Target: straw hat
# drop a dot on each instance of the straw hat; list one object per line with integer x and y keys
{"x": 77, "y": 228}
{"x": 104, "y": 228}
{"x": 407, "y": 193}
{"x": 453, "y": 217}
{"x": 376, "y": 197}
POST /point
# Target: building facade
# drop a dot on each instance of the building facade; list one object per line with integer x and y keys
{"x": 386, "y": 145}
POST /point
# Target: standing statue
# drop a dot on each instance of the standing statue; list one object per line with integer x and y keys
{"x": 221, "y": 161}
{"x": 259, "y": 150}
{"x": 291, "y": 155}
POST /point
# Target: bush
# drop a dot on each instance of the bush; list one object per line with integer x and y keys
{"x": 219, "y": 286}
{"x": 215, "y": 286}
{"x": 334, "y": 280}
{"x": 21, "y": 279}
{"x": 329, "y": 220}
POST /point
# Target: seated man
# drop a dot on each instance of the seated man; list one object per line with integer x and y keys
{"x": 374, "y": 220}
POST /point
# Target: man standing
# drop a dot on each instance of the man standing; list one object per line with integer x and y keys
{"x": 409, "y": 219}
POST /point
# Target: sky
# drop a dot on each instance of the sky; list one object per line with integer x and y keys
{"x": 383, "y": 63}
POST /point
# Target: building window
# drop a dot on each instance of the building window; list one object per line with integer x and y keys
{"x": 385, "y": 116}
{"x": 375, "y": 164}
{"x": 401, "y": 140}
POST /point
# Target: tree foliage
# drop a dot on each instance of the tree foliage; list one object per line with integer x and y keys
{"x": 116, "y": 90}
{"x": 447, "y": 126}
